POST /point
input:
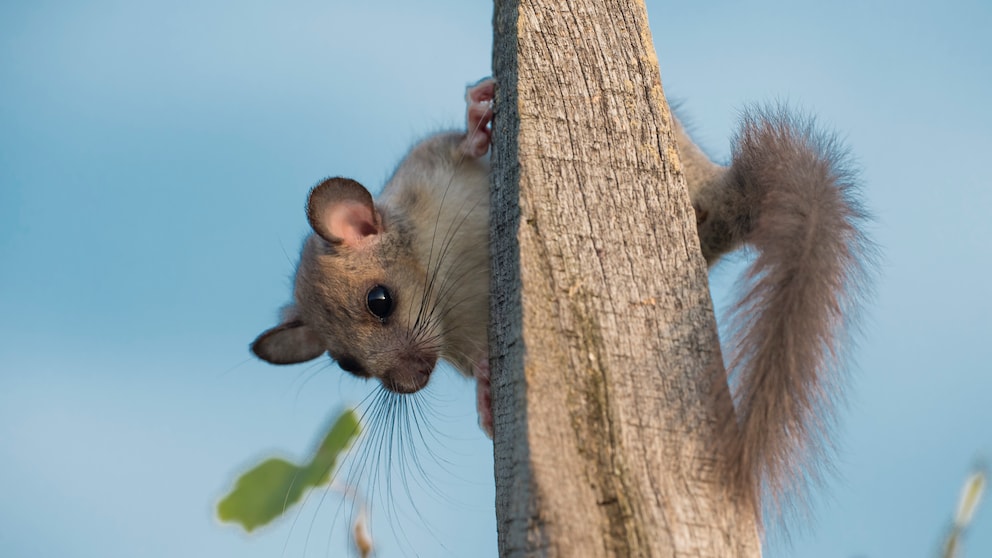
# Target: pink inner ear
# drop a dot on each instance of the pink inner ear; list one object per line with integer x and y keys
{"x": 350, "y": 221}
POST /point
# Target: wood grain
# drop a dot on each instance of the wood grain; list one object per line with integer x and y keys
{"x": 602, "y": 336}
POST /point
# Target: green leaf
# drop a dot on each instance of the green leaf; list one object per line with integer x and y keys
{"x": 262, "y": 494}
{"x": 266, "y": 491}
{"x": 338, "y": 438}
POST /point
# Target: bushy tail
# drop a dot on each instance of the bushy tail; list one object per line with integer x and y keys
{"x": 798, "y": 301}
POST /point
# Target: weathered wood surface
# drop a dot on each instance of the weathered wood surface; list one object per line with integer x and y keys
{"x": 602, "y": 325}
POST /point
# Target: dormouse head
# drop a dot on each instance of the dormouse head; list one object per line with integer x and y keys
{"x": 359, "y": 295}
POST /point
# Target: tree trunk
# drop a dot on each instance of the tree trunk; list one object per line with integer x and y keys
{"x": 602, "y": 325}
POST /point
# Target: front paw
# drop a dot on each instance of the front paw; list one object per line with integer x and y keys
{"x": 479, "y": 116}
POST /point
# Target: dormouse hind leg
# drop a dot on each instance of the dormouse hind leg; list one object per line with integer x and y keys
{"x": 483, "y": 395}
{"x": 479, "y": 115}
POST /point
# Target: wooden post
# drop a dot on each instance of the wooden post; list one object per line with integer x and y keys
{"x": 602, "y": 327}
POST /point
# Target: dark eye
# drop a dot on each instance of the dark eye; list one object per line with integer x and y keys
{"x": 380, "y": 302}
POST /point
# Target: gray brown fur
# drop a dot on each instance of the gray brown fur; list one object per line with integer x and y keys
{"x": 790, "y": 193}
{"x": 440, "y": 197}
{"x": 431, "y": 253}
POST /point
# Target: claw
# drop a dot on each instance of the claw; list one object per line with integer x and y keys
{"x": 479, "y": 116}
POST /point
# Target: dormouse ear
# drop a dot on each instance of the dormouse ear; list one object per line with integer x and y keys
{"x": 341, "y": 211}
{"x": 288, "y": 343}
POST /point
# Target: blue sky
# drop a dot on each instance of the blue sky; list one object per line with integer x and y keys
{"x": 154, "y": 161}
